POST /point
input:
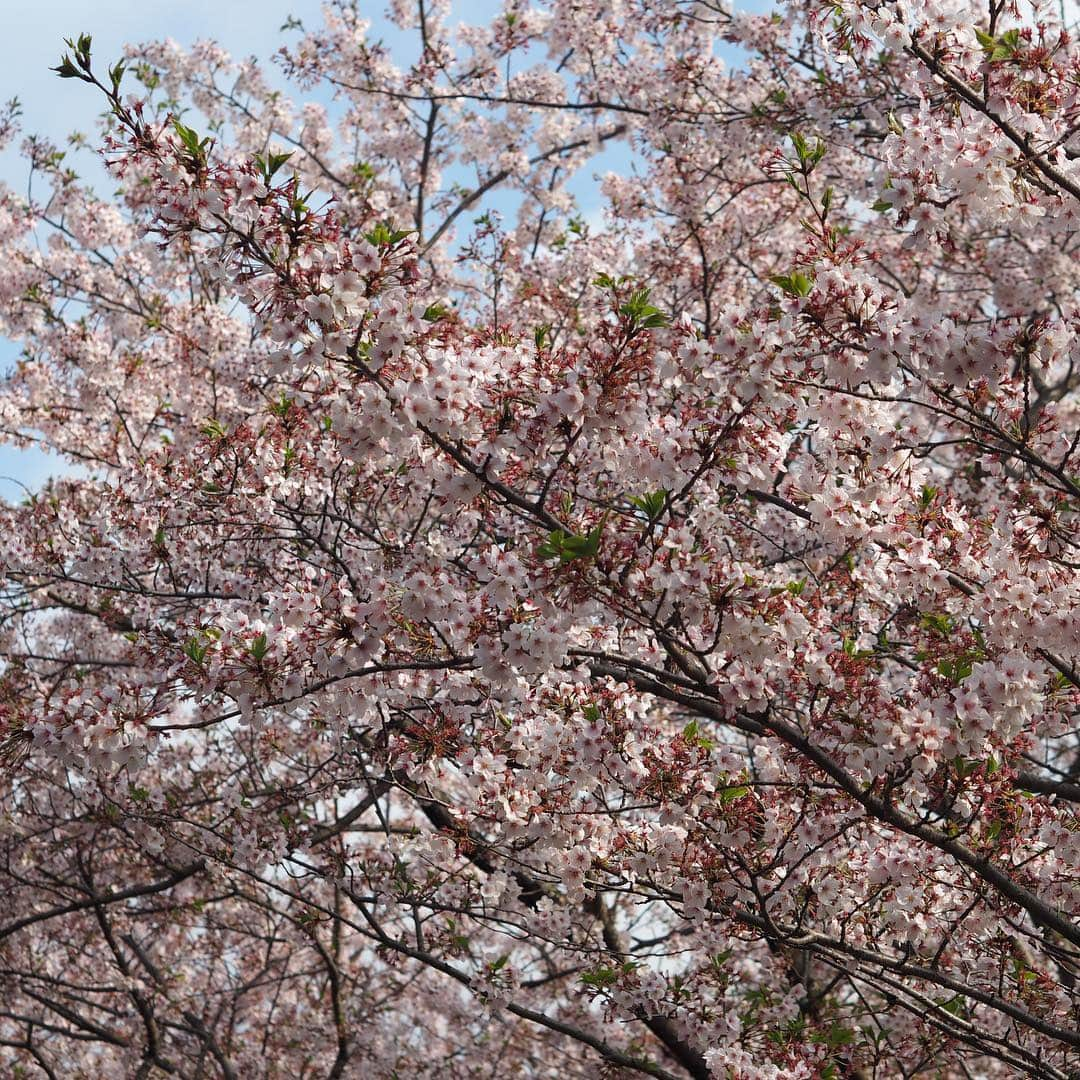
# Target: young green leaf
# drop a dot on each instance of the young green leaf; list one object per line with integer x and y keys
{"x": 651, "y": 504}
{"x": 794, "y": 284}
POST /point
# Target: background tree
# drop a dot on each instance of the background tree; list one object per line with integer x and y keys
{"x": 483, "y": 641}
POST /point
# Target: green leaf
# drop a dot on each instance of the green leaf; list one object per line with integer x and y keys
{"x": 195, "y": 650}
{"x": 953, "y": 1005}
{"x": 147, "y": 76}
{"x": 721, "y": 958}
{"x": 270, "y": 164}
{"x": 195, "y": 146}
{"x": 379, "y": 236}
{"x": 566, "y": 547}
{"x": 67, "y": 70}
{"x": 642, "y": 314}
{"x": 281, "y": 407}
{"x": 808, "y": 155}
{"x": 1004, "y": 47}
{"x": 651, "y": 504}
{"x": 838, "y": 1036}
{"x": 600, "y": 977}
{"x": 213, "y": 429}
{"x": 1022, "y": 972}
{"x": 794, "y": 284}
{"x": 693, "y": 735}
{"x": 275, "y": 161}
{"x": 1061, "y": 681}
{"x": 939, "y": 624}
{"x": 956, "y": 669}
{"x": 385, "y": 235}
{"x": 603, "y": 977}
{"x": 259, "y": 648}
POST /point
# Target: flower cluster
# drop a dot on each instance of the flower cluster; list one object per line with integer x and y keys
{"x": 482, "y": 636}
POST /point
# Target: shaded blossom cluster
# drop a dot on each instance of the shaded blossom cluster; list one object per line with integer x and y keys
{"x": 481, "y": 637}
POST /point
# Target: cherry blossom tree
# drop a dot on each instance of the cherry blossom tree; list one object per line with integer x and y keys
{"x": 484, "y": 638}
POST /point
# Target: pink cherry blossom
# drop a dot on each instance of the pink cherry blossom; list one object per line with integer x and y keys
{"x": 481, "y": 634}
